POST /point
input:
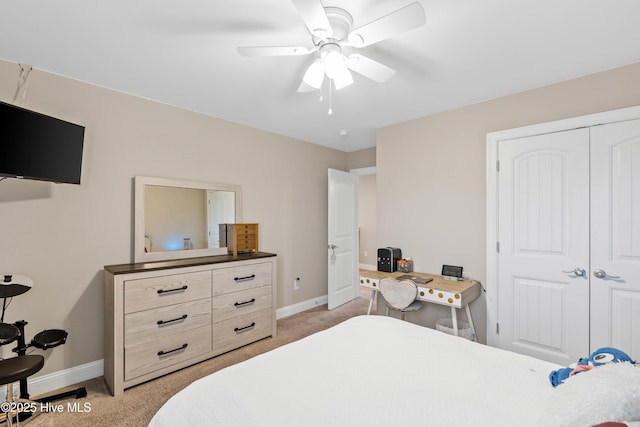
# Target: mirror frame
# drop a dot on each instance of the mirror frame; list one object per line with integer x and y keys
{"x": 139, "y": 227}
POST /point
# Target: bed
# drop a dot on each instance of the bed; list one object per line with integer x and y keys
{"x": 377, "y": 371}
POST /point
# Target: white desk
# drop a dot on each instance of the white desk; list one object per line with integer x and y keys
{"x": 456, "y": 295}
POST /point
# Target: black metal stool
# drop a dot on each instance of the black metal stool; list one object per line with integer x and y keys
{"x": 14, "y": 369}
{"x": 21, "y": 367}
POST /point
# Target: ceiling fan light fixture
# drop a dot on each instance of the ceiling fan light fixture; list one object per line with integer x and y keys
{"x": 331, "y": 29}
{"x": 333, "y": 64}
{"x": 314, "y": 74}
{"x": 336, "y": 69}
{"x": 343, "y": 79}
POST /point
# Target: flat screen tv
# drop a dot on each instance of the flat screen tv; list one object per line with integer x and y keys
{"x": 36, "y": 146}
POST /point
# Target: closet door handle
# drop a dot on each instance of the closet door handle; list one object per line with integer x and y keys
{"x": 601, "y": 274}
{"x": 578, "y": 271}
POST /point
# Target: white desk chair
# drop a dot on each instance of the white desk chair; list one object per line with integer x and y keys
{"x": 400, "y": 295}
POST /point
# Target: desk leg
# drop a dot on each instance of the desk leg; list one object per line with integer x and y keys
{"x": 373, "y": 295}
{"x": 454, "y": 318}
{"x": 473, "y": 329}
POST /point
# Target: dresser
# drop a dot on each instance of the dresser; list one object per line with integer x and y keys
{"x": 163, "y": 316}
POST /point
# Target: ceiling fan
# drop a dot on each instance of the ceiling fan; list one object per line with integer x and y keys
{"x": 330, "y": 29}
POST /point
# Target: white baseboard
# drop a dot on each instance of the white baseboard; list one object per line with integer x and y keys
{"x": 368, "y": 267}
{"x": 66, "y": 377}
{"x": 301, "y": 306}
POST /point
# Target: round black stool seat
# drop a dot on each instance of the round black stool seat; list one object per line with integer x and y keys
{"x": 20, "y": 367}
{"x": 8, "y": 333}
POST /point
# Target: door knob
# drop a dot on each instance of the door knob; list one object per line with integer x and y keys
{"x": 333, "y": 249}
{"x": 601, "y": 274}
{"x": 578, "y": 271}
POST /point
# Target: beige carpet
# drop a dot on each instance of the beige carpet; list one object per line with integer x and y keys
{"x": 138, "y": 404}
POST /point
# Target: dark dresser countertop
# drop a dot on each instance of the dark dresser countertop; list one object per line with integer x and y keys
{"x": 185, "y": 262}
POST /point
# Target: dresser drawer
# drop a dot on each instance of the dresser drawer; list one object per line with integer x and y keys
{"x": 243, "y": 230}
{"x": 158, "y": 323}
{"x": 238, "y": 331}
{"x": 240, "y": 278}
{"x": 234, "y": 304}
{"x": 245, "y": 243}
{"x": 153, "y": 292}
{"x": 141, "y": 359}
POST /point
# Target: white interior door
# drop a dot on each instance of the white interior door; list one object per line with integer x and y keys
{"x": 615, "y": 236}
{"x": 342, "y": 258}
{"x": 543, "y": 235}
{"x": 220, "y": 210}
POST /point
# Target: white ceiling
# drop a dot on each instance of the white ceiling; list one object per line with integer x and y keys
{"x": 183, "y": 53}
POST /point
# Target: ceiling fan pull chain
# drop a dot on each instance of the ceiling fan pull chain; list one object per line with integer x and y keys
{"x": 330, "y": 112}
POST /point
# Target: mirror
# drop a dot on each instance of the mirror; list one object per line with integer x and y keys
{"x": 179, "y": 219}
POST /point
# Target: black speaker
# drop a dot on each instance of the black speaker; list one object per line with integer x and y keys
{"x": 388, "y": 259}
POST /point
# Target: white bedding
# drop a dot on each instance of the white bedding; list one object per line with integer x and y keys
{"x": 369, "y": 371}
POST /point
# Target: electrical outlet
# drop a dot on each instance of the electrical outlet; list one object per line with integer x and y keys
{"x": 296, "y": 284}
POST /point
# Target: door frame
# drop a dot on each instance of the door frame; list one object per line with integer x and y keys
{"x": 493, "y": 139}
{"x": 371, "y": 170}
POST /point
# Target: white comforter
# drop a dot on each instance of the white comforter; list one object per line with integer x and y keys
{"x": 369, "y": 371}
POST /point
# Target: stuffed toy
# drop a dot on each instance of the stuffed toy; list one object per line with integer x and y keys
{"x": 609, "y": 392}
{"x": 598, "y": 358}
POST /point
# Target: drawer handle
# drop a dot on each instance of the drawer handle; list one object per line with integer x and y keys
{"x": 238, "y": 330}
{"x": 164, "y": 353}
{"x": 244, "y": 279}
{"x": 241, "y": 304}
{"x": 177, "y": 319}
{"x": 164, "y": 291}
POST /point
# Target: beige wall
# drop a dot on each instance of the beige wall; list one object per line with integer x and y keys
{"x": 63, "y": 235}
{"x": 362, "y": 158}
{"x": 431, "y": 171}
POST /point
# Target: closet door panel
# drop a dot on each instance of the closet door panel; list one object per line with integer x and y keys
{"x": 543, "y": 234}
{"x": 615, "y": 236}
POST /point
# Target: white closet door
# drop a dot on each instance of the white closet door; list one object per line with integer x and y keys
{"x": 543, "y": 233}
{"x": 615, "y": 236}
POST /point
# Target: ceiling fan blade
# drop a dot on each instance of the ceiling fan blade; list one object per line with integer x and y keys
{"x": 274, "y": 50}
{"x": 314, "y": 17}
{"x": 369, "y": 68}
{"x": 400, "y": 21}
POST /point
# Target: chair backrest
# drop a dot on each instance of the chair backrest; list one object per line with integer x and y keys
{"x": 399, "y": 294}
